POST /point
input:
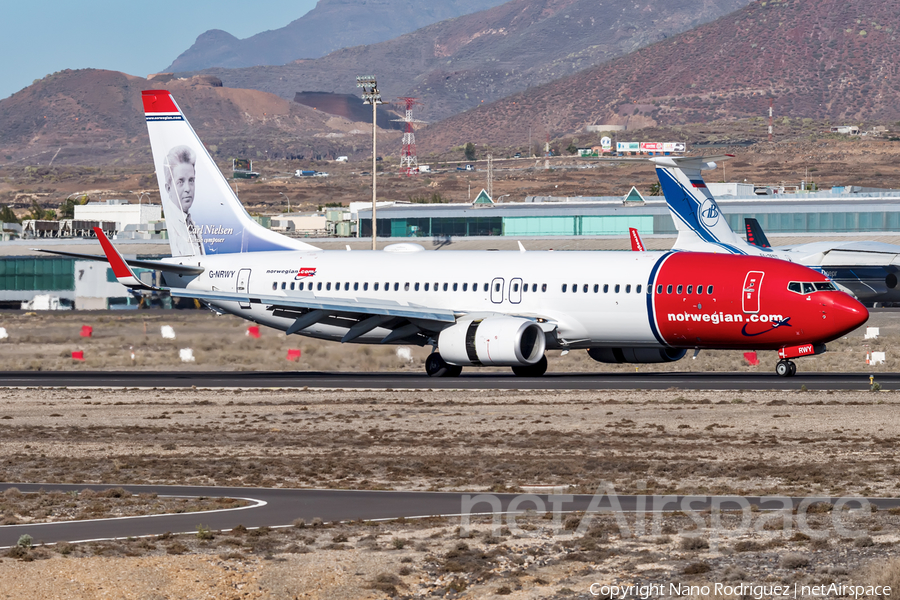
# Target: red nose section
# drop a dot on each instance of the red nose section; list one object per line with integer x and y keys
{"x": 845, "y": 314}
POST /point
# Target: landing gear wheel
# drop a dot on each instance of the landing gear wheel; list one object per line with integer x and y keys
{"x": 535, "y": 370}
{"x": 436, "y": 366}
{"x": 786, "y": 368}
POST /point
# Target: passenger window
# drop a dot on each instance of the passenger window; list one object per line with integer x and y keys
{"x": 375, "y": 286}
{"x": 397, "y": 286}
{"x": 605, "y": 288}
{"x": 292, "y": 286}
{"x": 474, "y": 287}
{"x": 808, "y": 288}
{"x": 596, "y": 288}
{"x": 585, "y": 289}
{"x": 337, "y": 286}
{"x": 366, "y": 286}
{"x": 455, "y": 285}
{"x": 328, "y": 286}
{"x": 690, "y": 289}
{"x": 525, "y": 288}
{"x": 659, "y": 289}
{"x": 533, "y": 287}
{"x": 699, "y": 289}
{"x": 347, "y": 287}
{"x": 617, "y": 288}
{"x": 465, "y": 287}
{"x": 496, "y": 287}
{"x": 356, "y": 286}
{"x": 564, "y": 287}
{"x": 669, "y": 289}
{"x": 574, "y": 287}
{"x": 283, "y": 285}
{"x": 436, "y": 285}
{"x": 543, "y": 287}
{"x": 417, "y": 286}
{"x": 680, "y": 289}
{"x": 319, "y": 287}
{"x": 637, "y": 290}
{"x": 426, "y": 286}
{"x": 628, "y": 289}
{"x": 275, "y": 285}
{"x": 709, "y": 290}
{"x": 445, "y": 287}
{"x": 406, "y": 287}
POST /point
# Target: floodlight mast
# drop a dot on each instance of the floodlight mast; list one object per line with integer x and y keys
{"x": 372, "y": 96}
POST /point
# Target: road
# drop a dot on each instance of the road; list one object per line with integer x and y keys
{"x": 280, "y": 507}
{"x": 551, "y": 381}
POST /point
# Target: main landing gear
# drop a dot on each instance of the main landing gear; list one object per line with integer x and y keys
{"x": 436, "y": 366}
{"x": 786, "y": 368}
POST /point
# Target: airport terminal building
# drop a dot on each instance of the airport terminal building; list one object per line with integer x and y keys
{"x": 823, "y": 212}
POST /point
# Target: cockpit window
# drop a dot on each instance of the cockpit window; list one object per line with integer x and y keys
{"x": 803, "y": 287}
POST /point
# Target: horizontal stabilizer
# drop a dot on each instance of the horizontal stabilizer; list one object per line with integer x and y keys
{"x": 140, "y": 264}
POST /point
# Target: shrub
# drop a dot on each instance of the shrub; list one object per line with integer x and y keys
{"x": 693, "y": 543}
{"x": 204, "y": 533}
{"x": 398, "y": 543}
{"x": 794, "y": 560}
{"x": 24, "y": 541}
{"x": 697, "y": 568}
{"x": 387, "y": 583}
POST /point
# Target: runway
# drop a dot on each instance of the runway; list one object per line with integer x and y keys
{"x": 648, "y": 380}
{"x": 280, "y": 507}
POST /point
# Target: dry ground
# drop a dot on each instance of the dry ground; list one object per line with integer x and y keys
{"x": 752, "y": 443}
{"x": 46, "y": 340}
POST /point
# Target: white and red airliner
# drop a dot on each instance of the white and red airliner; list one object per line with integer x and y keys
{"x": 473, "y": 308}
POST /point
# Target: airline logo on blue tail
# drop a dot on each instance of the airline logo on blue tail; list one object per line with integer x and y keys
{"x": 700, "y": 216}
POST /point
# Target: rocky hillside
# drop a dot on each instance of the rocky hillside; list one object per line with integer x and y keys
{"x": 96, "y": 117}
{"x": 460, "y": 63}
{"x": 819, "y": 59}
{"x": 331, "y": 25}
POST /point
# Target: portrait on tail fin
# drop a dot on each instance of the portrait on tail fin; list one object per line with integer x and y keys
{"x": 180, "y": 170}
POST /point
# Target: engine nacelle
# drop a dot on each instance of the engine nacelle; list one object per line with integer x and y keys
{"x": 636, "y": 355}
{"x": 494, "y": 341}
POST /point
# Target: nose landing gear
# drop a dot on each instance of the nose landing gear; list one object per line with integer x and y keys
{"x": 786, "y": 368}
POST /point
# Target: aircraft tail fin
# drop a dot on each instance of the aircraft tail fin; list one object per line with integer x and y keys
{"x": 637, "y": 245}
{"x": 755, "y": 233}
{"x": 698, "y": 219}
{"x": 203, "y": 215}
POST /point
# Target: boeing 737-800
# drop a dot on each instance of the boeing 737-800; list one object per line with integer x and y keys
{"x": 473, "y": 308}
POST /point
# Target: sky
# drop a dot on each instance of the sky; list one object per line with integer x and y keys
{"x": 40, "y": 37}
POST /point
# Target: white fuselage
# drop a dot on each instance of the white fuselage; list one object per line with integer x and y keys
{"x": 511, "y": 283}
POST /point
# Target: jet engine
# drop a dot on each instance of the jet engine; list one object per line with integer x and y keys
{"x": 494, "y": 341}
{"x": 636, "y": 355}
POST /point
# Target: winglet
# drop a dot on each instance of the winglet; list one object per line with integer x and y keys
{"x": 121, "y": 270}
{"x": 636, "y": 244}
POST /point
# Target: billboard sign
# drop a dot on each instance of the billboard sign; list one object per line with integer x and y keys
{"x": 241, "y": 164}
{"x": 628, "y": 147}
{"x": 673, "y": 147}
{"x": 651, "y": 147}
{"x": 606, "y": 144}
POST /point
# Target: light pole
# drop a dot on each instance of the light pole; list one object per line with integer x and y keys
{"x": 372, "y": 96}
{"x": 288, "y": 201}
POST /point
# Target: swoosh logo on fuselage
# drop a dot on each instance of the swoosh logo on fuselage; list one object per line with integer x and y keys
{"x": 775, "y": 325}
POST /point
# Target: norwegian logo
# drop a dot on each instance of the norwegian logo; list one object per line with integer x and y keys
{"x": 709, "y": 213}
{"x": 305, "y": 272}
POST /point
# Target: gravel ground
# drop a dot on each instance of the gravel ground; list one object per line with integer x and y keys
{"x": 752, "y": 443}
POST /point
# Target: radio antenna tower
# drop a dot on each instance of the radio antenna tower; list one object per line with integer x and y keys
{"x": 409, "y": 164}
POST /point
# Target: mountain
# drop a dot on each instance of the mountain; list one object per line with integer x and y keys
{"x": 331, "y": 25}
{"x": 819, "y": 59}
{"x": 457, "y": 64}
{"x": 96, "y": 117}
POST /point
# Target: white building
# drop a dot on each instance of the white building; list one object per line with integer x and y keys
{"x": 119, "y": 211}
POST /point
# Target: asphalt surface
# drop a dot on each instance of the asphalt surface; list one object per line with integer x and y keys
{"x": 280, "y": 507}
{"x": 470, "y": 379}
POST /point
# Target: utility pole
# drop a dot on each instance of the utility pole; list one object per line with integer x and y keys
{"x": 372, "y": 96}
{"x": 490, "y": 176}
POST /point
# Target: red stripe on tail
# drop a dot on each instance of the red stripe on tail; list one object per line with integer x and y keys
{"x": 158, "y": 101}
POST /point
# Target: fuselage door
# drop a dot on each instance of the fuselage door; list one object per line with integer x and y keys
{"x": 497, "y": 290}
{"x": 243, "y": 285}
{"x": 515, "y": 290}
{"x": 751, "y": 291}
